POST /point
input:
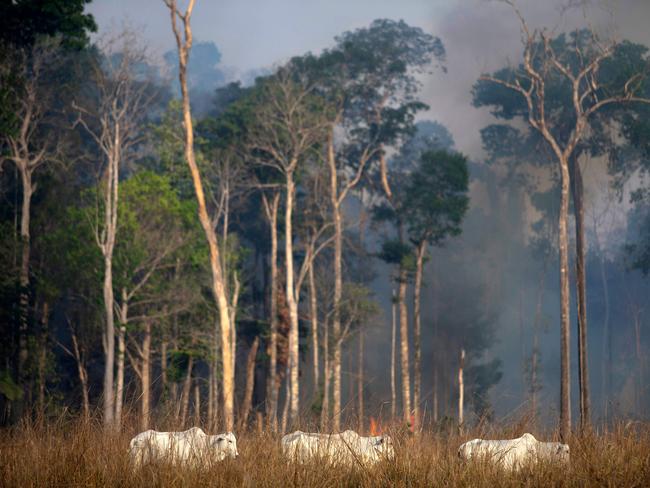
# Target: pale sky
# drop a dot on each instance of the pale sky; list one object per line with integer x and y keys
{"x": 479, "y": 35}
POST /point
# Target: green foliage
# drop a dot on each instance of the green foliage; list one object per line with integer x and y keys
{"x": 638, "y": 252}
{"x": 393, "y": 251}
{"x": 575, "y": 50}
{"x": 8, "y": 388}
{"x": 436, "y": 197}
{"x": 357, "y": 305}
{"x": 22, "y": 21}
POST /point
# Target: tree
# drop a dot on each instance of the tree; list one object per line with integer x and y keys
{"x": 290, "y": 121}
{"x": 154, "y": 231}
{"x": 588, "y": 92}
{"x": 22, "y": 23}
{"x": 369, "y": 81}
{"x": 115, "y": 125}
{"x": 219, "y": 286}
{"x": 34, "y": 141}
{"x": 435, "y": 204}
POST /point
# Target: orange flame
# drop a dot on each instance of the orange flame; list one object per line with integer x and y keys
{"x": 375, "y": 428}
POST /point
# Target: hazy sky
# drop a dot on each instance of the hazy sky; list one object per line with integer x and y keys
{"x": 478, "y": 35}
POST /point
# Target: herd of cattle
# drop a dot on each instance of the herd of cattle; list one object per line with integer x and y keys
{"x": 195, "y": 448}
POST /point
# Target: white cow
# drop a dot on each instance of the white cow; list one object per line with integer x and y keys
{"x": 347, "y": 448}
{"x": 193, "y": 447}
{"x": 513, "y": 453}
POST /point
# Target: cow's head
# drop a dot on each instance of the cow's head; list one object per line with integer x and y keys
{"x": 467, "y": 450}
{"x": 384, "y": 446}
{"x": 225, "y": 445}
{"x": 562, "y": 452}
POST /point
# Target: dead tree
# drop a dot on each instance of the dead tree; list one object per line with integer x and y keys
{"x": 116, "y": 125}
{"x": 286, "y": 130}
{"x": 530, "y": 80}
{"x": 219, "y": 279}
{"x": 34, "y": 144}
{"x": 271, "y": 207}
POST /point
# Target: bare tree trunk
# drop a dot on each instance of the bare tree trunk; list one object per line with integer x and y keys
{"x": 250, "y": 382}
{"x": 313, "y": 305}
{"x": 534, "y": 360}
{"x": 42, "y": 357}
{"x": 197, "y": 402}
{"x": 417, "y": 367}
{"x": 164, "y": 382}
{"x": 23, "y": 313}
{"x": 107, "y": 246}
{"x": 85, "y": 401}
{"x": 338, "y": 285}
{"x": 210, "y": 420}
{"x": 219, "y": 287}
{"x": 461, "y": 388}
{"x": 404, "y": 347}
{"x": 446, "y": 383}
{"x": 581, "y": 287}
{"x": 121, "y": 352}
{"x": 81, "y": 371}
{"x": 109, "y": 343}
{"x": 393, "y": 349}
{"x": 533, "y": 373}
{"x": 185, "y": 395}
{"x": 272, "y": 381}
{"x": 325, "y": 410}
{"x": 214, "y": 371}
{"x": 287, "y": 401}
{"x": 360, "y": 384}
{"x": 292, "y": 302}
{"x": 435, "y": 349}
{"x": 119, "y": 387}
{"x": 434, "y": 406}
{"x": 145, "y": 369}
{"x": 565, "y": 372}
{"x": 606, "y": 364}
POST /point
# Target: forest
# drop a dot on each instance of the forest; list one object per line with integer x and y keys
{"x": 306, "y": 247}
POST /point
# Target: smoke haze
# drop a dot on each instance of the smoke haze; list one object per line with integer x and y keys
{"x": 479, "y": 36}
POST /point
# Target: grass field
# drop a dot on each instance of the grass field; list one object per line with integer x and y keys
{"x": 81, "y": 455}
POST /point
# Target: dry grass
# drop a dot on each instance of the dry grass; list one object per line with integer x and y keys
{"x": 77, "y": 455}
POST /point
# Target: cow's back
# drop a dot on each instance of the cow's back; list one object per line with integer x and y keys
{"x": 508, "y": 453}
{"x": 180, "y": 447}
{"x": 346, "y": 448}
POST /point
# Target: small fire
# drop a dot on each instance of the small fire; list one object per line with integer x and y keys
{"x": 375, "y": 428}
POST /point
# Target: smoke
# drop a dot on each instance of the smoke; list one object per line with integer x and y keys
{"x": 488, "y": 270}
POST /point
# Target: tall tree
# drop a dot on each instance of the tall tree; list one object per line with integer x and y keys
{"x": 289, "y": 123}
{"x": 369, "y": 81}
{"x": 579, "y": 70}
{"x": 219, "y": 285}
{"x": 154, "y": 230}
{"x": 114, "y": 122}
{"x": 33, "y": 142}
{"x": 435, "y": 204}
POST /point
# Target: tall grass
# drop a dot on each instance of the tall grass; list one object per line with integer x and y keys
{"x": 69, "y": 453}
